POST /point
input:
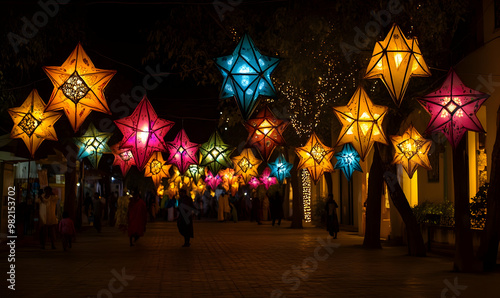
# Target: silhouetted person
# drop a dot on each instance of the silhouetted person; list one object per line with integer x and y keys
{"x": 137, "y": 218}
{"x": 185, "y": 219}
{"x": 48, "y": 220}
{"x": 332, "y": 222}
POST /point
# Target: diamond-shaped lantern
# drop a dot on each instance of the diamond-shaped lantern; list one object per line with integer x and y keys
{"x": 348, "y": 161}
{"x": 182, "y": 151}
{"x": 78, "y": 87}
{"x": 246, "y": 74}
{"x": 195, "y": 172}
{"x": 280, "y": 168}
{"x": 266, "y": 178}
{"x": 143, "y": 132}
{"x": 215, "y": 154}
{"x": 361, "y": 123}
{"x": 123, "y": 158}
{"x": 265, "y": 132}
{"x": 32, "y": 124}
{"x": 395, "y": 60}
{"x": 157, "y": 169}
{"x": 93, "y": 144}
{"x": 211, "y": 180}
{"x": 411, "y": 151}
{"x": 246, "y": 164}
{"x": 453, "y": 109}
{"x": 315, "y": 157}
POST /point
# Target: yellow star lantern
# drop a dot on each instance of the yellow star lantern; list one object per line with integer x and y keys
{"x": 395, "y": 60}
{"x": 157, "y": 169}
{"x": 230, "y": 181}
{"x": 361, "y": 123}
{"x": 32, "y": 124}
{"x": 78, "y": 87}
{"x": 246, "y": 164}
{"x": 411, "y": 151}
{"x": 315, "y": 157}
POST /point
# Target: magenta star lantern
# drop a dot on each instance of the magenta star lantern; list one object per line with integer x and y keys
{"x": 212, "y": 181}
{"x": 254, "y": 182}
{"x": 123, "y": 158}
{"x": 143, "y": 132}
{"x": 182, "y": 152}
{"x": 453, "y": 109}
{"x": 266, "y": 178}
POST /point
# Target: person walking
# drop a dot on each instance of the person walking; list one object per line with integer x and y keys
{"x": 67, "y": 230}
{"x": 48, "y": 220}
{"x": 122, "y": 212}
{"x": 137, "y": 218}
{"x": 185, "y": 219}
{"x": 332, "y": 222}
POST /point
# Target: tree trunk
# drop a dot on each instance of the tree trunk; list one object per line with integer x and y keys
{"x": 70, "y": 189}
{"x": 416, "y": 246}
{"x": 329, "y": 182}
{"x": 297, "y": 204}
{"x": 464, "y": 253}
{"x": 489, "y": 243}
{"x": 373, "y": 202}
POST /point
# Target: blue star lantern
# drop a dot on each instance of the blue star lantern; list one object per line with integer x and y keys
{"x": 247, "y": 73}
{"x": 93, "y": 144}
{"x": 348, "y": 161}
{"x": 280, "y": 168}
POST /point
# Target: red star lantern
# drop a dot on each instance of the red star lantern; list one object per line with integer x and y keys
{"x": 78, "y": 87}
{"x": 157, "y": 169}
{"x": 143, "y": 132}
{"x": 453, "y": 109}
{"x": 265, "y": 132}
{"x": 123, "y": 158}
{"x": 315, "y": 157}
{"x": 182, "y": 152}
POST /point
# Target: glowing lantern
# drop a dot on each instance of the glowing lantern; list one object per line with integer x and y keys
{"x": 453, "y": 109}
{"x": 143, "y": 132}
{"x": 160, "y": 190}
{"x": 348, "y": 161}
{"x": 246, "y": 164}
{"x": 315, "y": 157}
{"x": 93, "y": 144}
{"x": 212, "y": 181}
{"x": 266, "y": 178}
{"x": 195, "y": 172}
{"x": 123, "y": 158}
{"x": 361, "y": 123}
{"x": 230, "y": 181}
{"x": 254, "y": 182}
{"x": 395, "y": 60}
{"x": 214, "y": 154}
{"x": 265, "y": 132}
{"x": 78, "y": 87}
{"x": 246, "y": 73}
{"x": 182, "y": 151}
{"x": 280, "y": 168}
{"x": 411, "y": 151}
{"x": 157, "y": 169}
{"x": 32, "y": 124}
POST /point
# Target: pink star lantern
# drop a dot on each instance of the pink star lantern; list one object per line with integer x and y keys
{"x": 453, "y": 109}
{"x": 123, "y": 158}
{"x": 254, "y": 182}
{"x": 266, "y": 178}
{"x": 212, "y": 181}
{"x": 182, "y": 152}
{"x": 143, "y": 132}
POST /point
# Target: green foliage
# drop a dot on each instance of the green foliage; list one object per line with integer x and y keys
{"x": 435, "y": 213}
{"x": 478, "y": 208}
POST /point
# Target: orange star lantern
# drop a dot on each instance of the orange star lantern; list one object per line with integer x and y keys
{"x": 78, "y": 87}
{"x": 230, "y": 181}
{"x": 361, "y": 123}
{"x": 315, "y": 157}
{"x": 246, "y": 164}
{"x": 411, "y": 151}
{"x": 395, "y": 60}
{"x": 32, "y": 124}
{"x": 157, "y": 169}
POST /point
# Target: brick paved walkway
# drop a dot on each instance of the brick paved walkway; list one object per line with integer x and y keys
{"x": 234, "y": 260}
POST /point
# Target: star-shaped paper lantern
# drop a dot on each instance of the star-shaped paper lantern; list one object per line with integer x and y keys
{"x": 123, "y": 158}
{"x": 254, "y": 182}
{"x": 453, "y": 109}
{"x": 315, "y": 157}
{"x": 214, "y": 154}
{"x": 182, "y": 151}
{"x": 32, "y": 124}
{"x": 348, "y": 161}
{"x": 395, "y": 60}
{"x": 265, "y": 132}
{"x": 157, "y": 169}
{"x": 246, "y": 74}
{"x": 195, "y": 172}
{"x": 411, "y": 151}
{"x": 212, "y": 181}
{"x": 361, "y": 123}
{"x": 143, "y": 132}
{"x": 246, "y": 164}
{"x": 266, "y": 178}
{"x": 93, "y": 144}
{"x": 280, "y": 168}
{"x": 78, "y": 87}
{"x": 230, "y": 181}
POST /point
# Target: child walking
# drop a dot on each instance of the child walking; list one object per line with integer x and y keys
{"x": 67, "y": 230}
